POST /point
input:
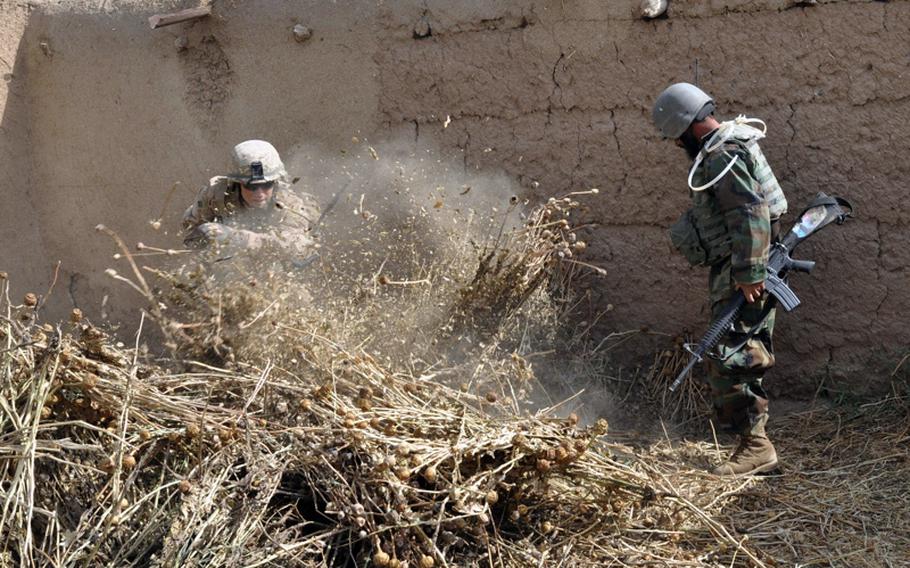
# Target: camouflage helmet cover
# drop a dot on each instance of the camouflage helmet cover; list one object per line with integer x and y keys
{"x": 251, "y": 152}
{"x": 678, "y": 106}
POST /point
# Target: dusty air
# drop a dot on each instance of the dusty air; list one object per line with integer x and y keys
{"x": 453, "y": 284}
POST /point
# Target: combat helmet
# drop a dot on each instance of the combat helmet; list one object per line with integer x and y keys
{"x": 257, "y": 161}
{"x": 678, "y": 106}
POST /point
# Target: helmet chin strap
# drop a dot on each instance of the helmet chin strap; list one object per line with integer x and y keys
{"x": 739, "y": 127}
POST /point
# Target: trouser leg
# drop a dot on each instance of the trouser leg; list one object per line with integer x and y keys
{"x": 739, "y": 407}
{"x": 735, "y": 372}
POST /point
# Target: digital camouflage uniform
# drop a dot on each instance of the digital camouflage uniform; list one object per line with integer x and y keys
{"x": 738, "y": 207}
{"x": 284, "y": 224}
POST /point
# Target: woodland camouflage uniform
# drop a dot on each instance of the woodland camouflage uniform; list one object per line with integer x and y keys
{"x": 737, "y": 202}
{"x": 740, "y": 402}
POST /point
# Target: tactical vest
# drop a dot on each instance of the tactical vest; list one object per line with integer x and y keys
{"x": 701, "y": 233}
{"x": 761, "y": 171}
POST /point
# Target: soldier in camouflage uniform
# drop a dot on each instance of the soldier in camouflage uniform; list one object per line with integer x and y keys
{"x": 737, "y": 204}
{"x": 253, "y": 208}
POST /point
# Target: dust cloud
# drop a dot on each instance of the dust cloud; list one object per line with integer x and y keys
{"x": 427, "y": 267}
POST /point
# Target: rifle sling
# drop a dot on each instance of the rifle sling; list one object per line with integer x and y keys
{"x": 766, "y": 311}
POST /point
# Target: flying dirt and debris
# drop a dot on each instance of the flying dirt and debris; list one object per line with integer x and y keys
{"x": 385, "y": 406}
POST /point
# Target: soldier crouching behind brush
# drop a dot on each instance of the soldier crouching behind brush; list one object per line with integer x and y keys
{"x": 253, "y": 208}
{"x": 734, "y": 218}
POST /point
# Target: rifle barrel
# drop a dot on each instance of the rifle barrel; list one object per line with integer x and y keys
{"x": 682, "y": 375}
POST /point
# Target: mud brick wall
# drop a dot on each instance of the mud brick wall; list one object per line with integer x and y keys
{"x": 560, "y": 97}
{"x": 106, "y": 115}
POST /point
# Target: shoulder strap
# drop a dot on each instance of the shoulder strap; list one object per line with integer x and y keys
{"x": 744, "y": 146}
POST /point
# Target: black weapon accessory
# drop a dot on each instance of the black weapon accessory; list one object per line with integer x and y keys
{"x": 256, "y": 173}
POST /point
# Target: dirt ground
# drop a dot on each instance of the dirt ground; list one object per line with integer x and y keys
{"x": 101, "y": 116}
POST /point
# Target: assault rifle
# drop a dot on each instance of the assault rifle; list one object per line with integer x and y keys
{"x": 822, "y": 211}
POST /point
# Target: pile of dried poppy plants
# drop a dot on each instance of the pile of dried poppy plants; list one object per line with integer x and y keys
{"x": 275, "y": 435}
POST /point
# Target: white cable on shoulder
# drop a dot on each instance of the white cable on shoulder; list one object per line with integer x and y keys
{"x": 739, "y": 127}
{"x": 698, "y": 161}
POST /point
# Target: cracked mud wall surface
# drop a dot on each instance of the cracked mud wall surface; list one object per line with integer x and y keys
{"x": 560, "y": 96}
{"x": 108, "y": 115}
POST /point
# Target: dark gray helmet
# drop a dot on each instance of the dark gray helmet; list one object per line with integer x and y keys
{"x": 679, "y": 106}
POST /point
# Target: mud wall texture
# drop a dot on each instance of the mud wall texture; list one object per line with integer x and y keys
{"x": 103, "y": 115}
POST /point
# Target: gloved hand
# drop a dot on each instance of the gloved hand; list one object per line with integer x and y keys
{"x": 216, "y": 233}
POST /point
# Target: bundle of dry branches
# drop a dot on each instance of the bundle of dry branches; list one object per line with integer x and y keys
{"x": 517, "y": 263}
{"x": 690, "y": 400}
{"x": 304, "y": 421}
{"x": 283, "y": 432}
{"x": 111, "y": 461}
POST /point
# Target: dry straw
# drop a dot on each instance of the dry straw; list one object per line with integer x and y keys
{"x": 292, "y": 433}
{"x": 107, "y": 462}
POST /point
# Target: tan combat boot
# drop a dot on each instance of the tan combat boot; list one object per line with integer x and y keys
{"x": 755, "y": 453}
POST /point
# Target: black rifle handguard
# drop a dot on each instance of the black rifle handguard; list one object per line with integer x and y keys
{"x": 718, "y": 329}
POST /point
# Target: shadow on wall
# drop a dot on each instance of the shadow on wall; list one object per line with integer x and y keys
{"x": 94, "y": 122}
{"x": 23, "y": 255}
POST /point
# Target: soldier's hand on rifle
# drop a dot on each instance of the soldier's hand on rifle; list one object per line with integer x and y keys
{"x": 752, "y": 292}
{"x": 215, "y": 232}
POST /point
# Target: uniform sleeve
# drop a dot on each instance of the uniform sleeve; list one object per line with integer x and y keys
{"x": 290, "y": 238}
{"x": 290, "y": 234}
{"x": 293, "y": 235}
{"x": 299, "y": 213}
{"x": 200, "y": 212}
{"x": 244, "y": 239}
{"x": 746, "y": 216}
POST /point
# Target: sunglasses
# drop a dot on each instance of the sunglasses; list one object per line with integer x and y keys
{"x": 264, "y": 186}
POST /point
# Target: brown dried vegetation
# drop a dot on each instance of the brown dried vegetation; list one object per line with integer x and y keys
{"x": 286, "y": 432}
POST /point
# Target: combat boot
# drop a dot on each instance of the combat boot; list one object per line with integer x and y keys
{"x": 755, "y": 454}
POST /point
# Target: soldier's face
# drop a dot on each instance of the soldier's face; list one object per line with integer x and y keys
{"x": 256, "y": 196}
{"x": 689, "y": 143}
